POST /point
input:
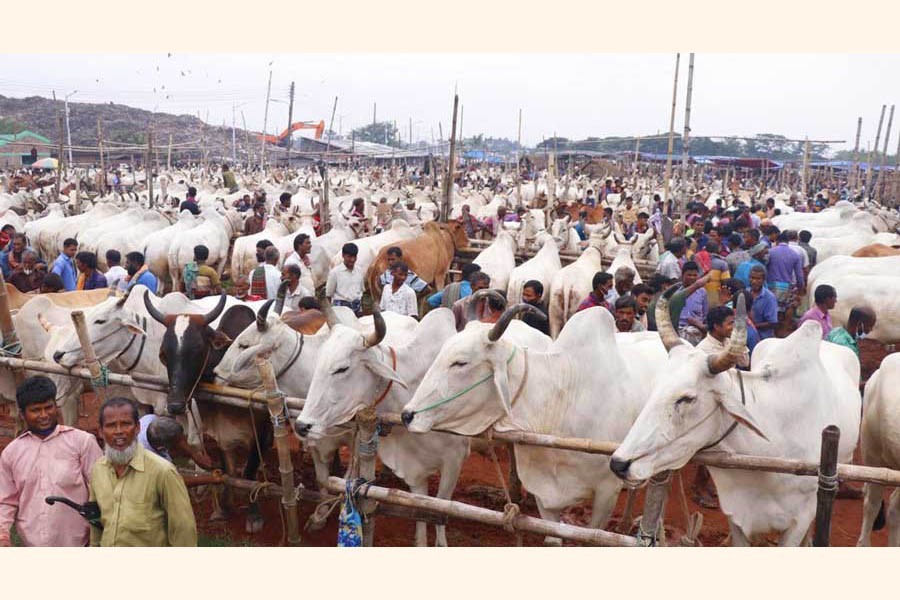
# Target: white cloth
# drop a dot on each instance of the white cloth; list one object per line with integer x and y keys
{"x": 668, "y": 266}
{"x": 114, "y": 276}
{"x": 711, "y": 345}
{"x": 306, "y": 276}
{"x": 344, "y": 284}
{"x": 402, "y": 302}
{"x": 292, "y": 299}
{"x": 273, "y": 280}
{"x": 800, "y": 252}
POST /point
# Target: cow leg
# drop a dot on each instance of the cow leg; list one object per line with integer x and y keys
{"x": 738, "y": 539}
{"x": 421, "y": 487}
{"x": 794, "y": 536}
{"x": 515, "y": 484}
{"x": 549, "y": 515}
{"x": 320, "y": 464}
{"x": 604, "y": 504}
{"x": 449, "y": 477}
{"x": 893, "y": 519}
{"x": 872, "y": 498}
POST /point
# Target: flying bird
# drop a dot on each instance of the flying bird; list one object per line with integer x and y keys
{"x": 182, "y": 73}
{"x": 170, "y": 55}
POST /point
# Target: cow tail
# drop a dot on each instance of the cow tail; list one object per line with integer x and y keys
{"x": 880, "y": 519}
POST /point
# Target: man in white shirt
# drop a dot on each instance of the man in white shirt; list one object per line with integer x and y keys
{"x": 116, "y": 272}
{"x": 668, "y": 262}
{"x": 794, "y": 244}
{"x": 300, "y": 257}
{"x": 398, "y": 297}
{"x": 273, "y": 275}
{"x": 296, "y": 291}
{"x": 345, "y": 283}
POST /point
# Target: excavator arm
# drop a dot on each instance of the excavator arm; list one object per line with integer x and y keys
{"x": 318, "y": 126}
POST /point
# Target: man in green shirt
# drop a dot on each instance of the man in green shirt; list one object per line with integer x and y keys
{"x": 228, "y": 180}
{"x": 860, "y": 322}
{"x": 143, "y": 500}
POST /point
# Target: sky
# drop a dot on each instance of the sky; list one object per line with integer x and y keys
{"x": 573, "y": 95}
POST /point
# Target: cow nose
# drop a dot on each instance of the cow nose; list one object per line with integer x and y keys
{"x": 619, "y": 466}
{"x": 57, "y": 356}
{"x": 176, "y": 408}
{"x": 302, "y": 428}
{"x": 407, "y": 416}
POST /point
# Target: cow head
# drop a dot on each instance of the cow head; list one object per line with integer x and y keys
{"x": 112, "y": 328}
{"x": 350, "y": 370}
{"x": 467, "y": 387}
{"x": 185, "y": 349}
{"x": 693, "y": 403}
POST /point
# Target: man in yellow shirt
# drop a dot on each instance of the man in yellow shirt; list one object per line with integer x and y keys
{"x": 629, "y": 213}
{"x": 143, "y": 500}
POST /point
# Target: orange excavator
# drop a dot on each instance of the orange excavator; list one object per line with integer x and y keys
{"x": 272, "y": 139}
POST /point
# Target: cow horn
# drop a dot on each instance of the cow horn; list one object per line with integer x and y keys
{"x": 214, "y": 314}
{"x": 327, "y": 310}
{"x": 154, "y": 312}
{"x": 263, "y": 315}
{"x": 508, "y": 315}
{"x": 664, "y": 326}
{"x": 380, "y": 329}
{"x": 476, "y": 297}
{"x": 619, "y": 240}
{"x": 736, "y": 343}
{"x": 279, "y": 298}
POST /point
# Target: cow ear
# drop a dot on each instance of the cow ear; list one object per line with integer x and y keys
{"x": 132, "y": 326}
{"x": 740, "y": 414}
{"x": 383, "y": 371}
{"x": 217, "y": 339}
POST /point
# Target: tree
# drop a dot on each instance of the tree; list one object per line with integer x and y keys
{"x": 10, "y": 125}
{"x": 379, "y": 133}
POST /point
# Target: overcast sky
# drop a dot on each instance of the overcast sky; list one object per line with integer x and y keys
{"x": 574, "y": 95}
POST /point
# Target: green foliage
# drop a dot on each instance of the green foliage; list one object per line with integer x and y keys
{"x": 379, "y": 133}
{"x": 9, "y": 125}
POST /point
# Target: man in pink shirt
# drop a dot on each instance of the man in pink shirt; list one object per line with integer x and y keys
{"x": 825, "y": 297}
{"x": 47, "y": 460}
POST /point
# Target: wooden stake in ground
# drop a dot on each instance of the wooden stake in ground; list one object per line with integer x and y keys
{"x": 90, "y": 358}
{"x": 854, "y": 173}
{"x": 671, "y": 135}
{"x": 686, "y": 140}
{"x": 828, "y": 485}
{"x": 280, "y": 424}
{"x": 366, "y": 451}
{"x": 451, "y": 167}
{"x": 879, "y": 183}
{"x": 169, "y": 154}
{"x": 873, "y": 149}
{"x": 804, "y": 181}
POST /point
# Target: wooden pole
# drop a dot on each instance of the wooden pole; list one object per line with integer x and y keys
{"x": 854, "y": 173}
{"x": 148, "y": 169}
{"x": 90, "y": 358}
{"x": 290, "y": 142}
{"x": 8, "y": 331}
{"x": 805, "y": 178}
{"x": 686, "y": 140}
{"x": 262, "y": 158}
{"x": 887, "y": 135}
{"x": 828, "y": 485}
{"x": 169, "y": 155}
{"x": 459, "y": 510}
{"x": 637, "y": 154}
{"x": 873, "y": 149}
{"x": 651, "y": 532}
{"x": 518, "y": 158}
{"x": 280, "y": 419}
{"x": 61, "y": 166}
{"x": 324, "y": 214}
{"x": 102, "y": 178}
{"x": 671, "y": 134}
{"x": 451, "y": 167}
{"x": 366, "y": 451}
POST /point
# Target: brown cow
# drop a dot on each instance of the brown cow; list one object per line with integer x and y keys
{"x": 428, "y": 255}
{"x": 78, "y": 299}
{"x": 595, "y": 215}
{"x": 307, "y": 322}
{"x": 877, "y": 250}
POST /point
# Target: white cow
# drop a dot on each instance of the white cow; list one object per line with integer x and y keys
{"x": 880, "y": 445}
{"x": 585, "y": 384}
{"x": 156, "y": 246}
{"x": 243, "y": 257}
{"x": 498, "y": 260}
{"x": 570, "y": 286}
{"x": 370, "y": 246}
{"x": 215, "y": 232}
{"x": 132, "y": 238}
{"x": 353, "y": 372}
{"x": 700, "y": 401}
{"x": 540, "y": 267}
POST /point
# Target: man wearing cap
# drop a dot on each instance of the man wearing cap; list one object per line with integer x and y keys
{"x": 757, "y": 256}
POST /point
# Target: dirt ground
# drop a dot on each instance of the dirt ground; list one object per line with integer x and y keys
{"x": 478, "y": 485}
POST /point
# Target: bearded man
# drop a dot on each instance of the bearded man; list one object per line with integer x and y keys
{"x": 143, "y": 500}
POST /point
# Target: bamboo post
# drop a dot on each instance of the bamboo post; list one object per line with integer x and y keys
{"x": 805, "y": 178}
{"x": 686, "y": 140}
{"x": 451, "y": 166}
{"x": 879, "y": 183}
{"x": 854, "y": 173}
{"x": 671, "y": 134}
{"x": 279, "y": 415}
{"x": 262, "y": 158}
{"x": 828, "y": 485}
{"x": 8, "y": 331}
{"x": 454, "y": 509}
{"x": 651, "y": 532}
{"x": 148, "y": 169}
{"x": 61, "y": 162}
{"x": 87, "y": 347}
{"x": 169, "y": 155}
{"x": 518, "y": 158}
{"x": 102, "y": 178}
{"x": 366, "y": 451}
{"x": 873, "y": 149}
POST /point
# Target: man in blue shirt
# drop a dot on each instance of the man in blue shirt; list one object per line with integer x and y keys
{"x": 765, "y": 306}
{"x": 64, "y": 265}
{"x": 455, "y": 291}
{"x": 138, "y": 273}
{"x": 757, "y": 255}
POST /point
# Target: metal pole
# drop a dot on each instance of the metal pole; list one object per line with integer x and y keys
{"x": 671, "y": 134}
{"x": 828, "y": 485}
{"x": 290, "y": 126}
{"x": 262, "y": 158}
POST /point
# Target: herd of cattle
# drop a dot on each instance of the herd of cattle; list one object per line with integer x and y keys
{"x": 661, "y": 398}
